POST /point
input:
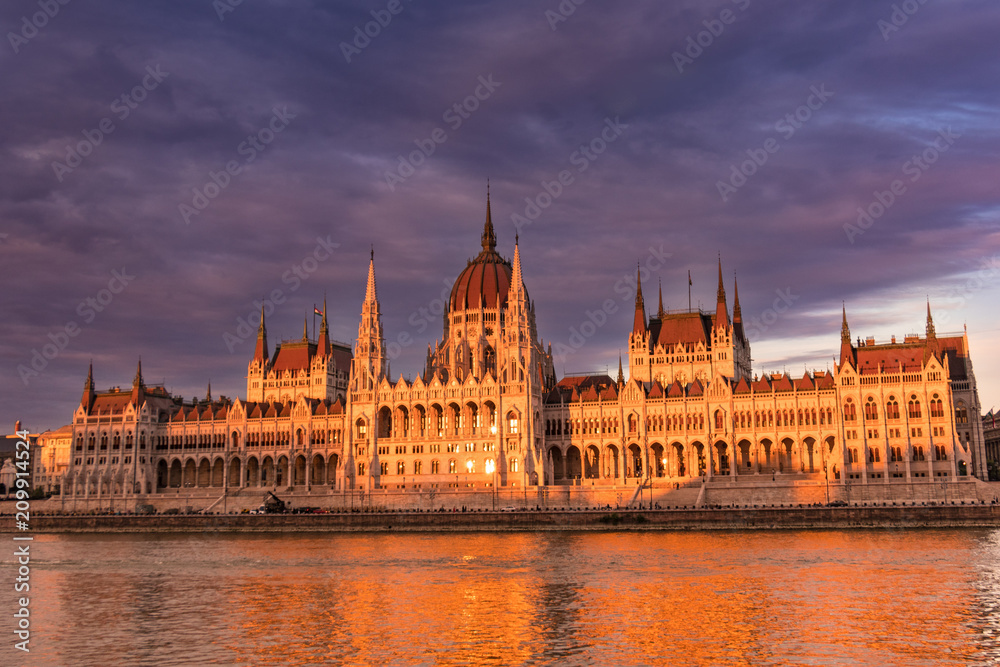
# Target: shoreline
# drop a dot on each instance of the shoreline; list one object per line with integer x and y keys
{"x": 804, "y": 518}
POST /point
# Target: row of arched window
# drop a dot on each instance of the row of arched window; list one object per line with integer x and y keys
{"x": 116, "y": 441}
{"x": 435, "y": 467}
{"x": 588, "y": 425}
{"x": 892, "y": 409}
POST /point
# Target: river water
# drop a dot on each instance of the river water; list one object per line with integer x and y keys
{"x": 857, "y": 597}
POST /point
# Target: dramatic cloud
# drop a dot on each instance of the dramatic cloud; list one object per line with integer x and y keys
{"x": 166, "y": 164}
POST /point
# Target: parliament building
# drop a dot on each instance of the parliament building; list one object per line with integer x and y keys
{"x": 488, "y": 413}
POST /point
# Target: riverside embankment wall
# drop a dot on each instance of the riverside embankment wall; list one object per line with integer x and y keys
{"x": 675, "y": 519}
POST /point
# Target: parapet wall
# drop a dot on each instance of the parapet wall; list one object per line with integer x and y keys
{"x": 675, "y": 519}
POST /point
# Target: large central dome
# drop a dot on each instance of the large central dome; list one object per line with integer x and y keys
{"x": 486, "y": 278}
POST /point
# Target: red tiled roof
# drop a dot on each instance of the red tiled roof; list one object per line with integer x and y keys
{"x": 584, "y": 380}
{"x": 784, "y": 383}
{"x": 805, "y": 383}
{"x": 682, "y": 328}
{"x": 341, "y": 357}
{"x": 742, "y": 387}
{"x": 109, "y": 403}
{"x": 293, "y": 356}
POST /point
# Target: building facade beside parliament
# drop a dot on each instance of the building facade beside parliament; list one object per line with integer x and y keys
{"x": 488, "y": 412}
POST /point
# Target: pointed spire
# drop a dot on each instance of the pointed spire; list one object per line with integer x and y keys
{"x": 517, "y": 279}
{"x": 931, "y": 333}
{"x": 621, "y": 374}
{"x": 721, "y": 294}
{"x": 737, "y": 313}
{"x": 208, "y": 395}
{"x": 88, "y": 389}
{"x": 845, "y": 331}
{"x": 138, "y": 386}
{"x": 305, "y": 328}
{"x": 639, "y": 323}
{"x": 489, "y": 236}
{"x": 721, "y": 311}
{"x": 260, "y": 351}
{"x": 659, "y": 313}
{"x": 846, "y": 349}
{"x": 371, "y": 294}
{"x": 324, "y": 333}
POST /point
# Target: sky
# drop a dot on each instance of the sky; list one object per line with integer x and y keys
{"x": 166, "y": 165}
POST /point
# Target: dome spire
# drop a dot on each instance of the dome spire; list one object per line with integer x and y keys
{"x": 371, "y": 294}
{"x": 489, "y": 236}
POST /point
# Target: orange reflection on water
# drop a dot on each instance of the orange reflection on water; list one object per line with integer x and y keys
{"x": 833, "y": 597}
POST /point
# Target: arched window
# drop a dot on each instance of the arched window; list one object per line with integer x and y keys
{"x": 891, "y": 409}
{"x": 512, "y": 422}
{"x": 452, "y": 466}
{"x": 719, "y": 420}
{"x": 435, "y": 467}
{"x": 961, "y": 414}
{"x": 871, "y": 410}
{"x": 914, "y": 407}
{"x": 937, "y": 407}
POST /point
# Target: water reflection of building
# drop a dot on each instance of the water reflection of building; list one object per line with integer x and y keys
{"x": 488, "y": 412}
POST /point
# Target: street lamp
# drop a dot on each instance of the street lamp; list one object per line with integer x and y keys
{"x": 491, "y": 469}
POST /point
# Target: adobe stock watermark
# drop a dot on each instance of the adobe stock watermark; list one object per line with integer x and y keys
{"x": 122, "y": 106}
{"x": 562, "y": 12}
{"x": 914, "y": 169}
{"x": 696, "y": 44}
{"x": 363, "y": 35}
{"x": 455, "y": 116}
{"x": 787, "y": 126}
{"x": 59, "y": 339}
{"x": 782, "y": 302}
{"x": 899, "y": 17}
{"x": 581, "y": 158}
{"x": 223, "y": 7}
{"x": 594, "y": 320}
{"x": 37, "y": 21}
{"x": 249, "y": 148}
{"x": 246, "y": 328}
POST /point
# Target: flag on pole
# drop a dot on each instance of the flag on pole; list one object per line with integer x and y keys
{"x": 317, "y": 311}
